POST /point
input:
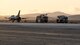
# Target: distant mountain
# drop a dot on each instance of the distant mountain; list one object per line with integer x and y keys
{"x": 2, "y": 17}
{"x": 74, "y": 17}
{"x": 30, "y": 15}
{"x": 53, "y": 14}
{"x": 57, "y": 13}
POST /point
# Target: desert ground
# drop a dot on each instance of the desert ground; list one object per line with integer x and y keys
{"x": 39, "y": 34}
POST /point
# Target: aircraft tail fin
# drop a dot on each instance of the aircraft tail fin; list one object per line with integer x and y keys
{"x": 18, "y": 15}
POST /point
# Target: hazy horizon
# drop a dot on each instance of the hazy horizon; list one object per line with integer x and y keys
{"x": 9, "y": 7}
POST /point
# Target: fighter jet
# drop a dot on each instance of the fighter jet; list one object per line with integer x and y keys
{"x": 17, "y": 17}
{"x": 14, "y": 18}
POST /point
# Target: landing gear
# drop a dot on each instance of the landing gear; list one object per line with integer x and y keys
{"x": 18, "y": 19}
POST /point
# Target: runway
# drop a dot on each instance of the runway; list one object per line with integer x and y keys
{"x": 39, "y": 34}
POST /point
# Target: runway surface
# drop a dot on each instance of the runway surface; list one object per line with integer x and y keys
{"x": 39, "y": 34}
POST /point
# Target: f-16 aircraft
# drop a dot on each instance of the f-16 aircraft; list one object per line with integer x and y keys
{"x": 15, "y": 18}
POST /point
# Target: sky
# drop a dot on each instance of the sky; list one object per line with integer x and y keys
{"x": 9, "y": 7}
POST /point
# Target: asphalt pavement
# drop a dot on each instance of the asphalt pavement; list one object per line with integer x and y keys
{"x": 39, "y": 34}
